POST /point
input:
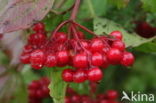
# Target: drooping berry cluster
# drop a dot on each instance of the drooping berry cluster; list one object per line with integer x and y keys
{"x": 73, "y": 49}
{"x": 110, "y": 96}
{"x": 38, "y": 90}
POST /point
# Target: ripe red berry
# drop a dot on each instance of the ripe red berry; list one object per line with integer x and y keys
{"x": 118, "y": 45}
{"x": 62, "y": 57}
{"x": 112, "y": 94}
{"x": 105, "y": 62}
{"x": 97, "y": 59}
{"x": 81, "y": 35}
{"x": 67, "y": 75}
{"x": 60, "y": 37}
{"x": 38, "y": 27}
{"x": 85, "y": 44}
{"x": 25, "y": 58}
{"x": 116, "y": 34}
{"x": 76, "y": 99}
{"x": 80, "y": 60}
{"x": 37, "y": 59}
{"x": 114, "y": 56}
{"x": 95, "y": 74}
{"x": 79, "y": 76}
{"x": 27, "y": 48}
{"x": 37, "y": 39}
{"x": 97, "y": 45}
{"x": 51, "y": 60}
{"x": 128, "y": 59}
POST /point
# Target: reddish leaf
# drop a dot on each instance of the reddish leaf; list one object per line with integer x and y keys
{"x": 21, "y": 14}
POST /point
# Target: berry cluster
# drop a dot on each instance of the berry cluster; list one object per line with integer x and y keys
{"x": 110, "y": 96}
{"x": 73, "y": 49}
{"x": 38, "y": 90}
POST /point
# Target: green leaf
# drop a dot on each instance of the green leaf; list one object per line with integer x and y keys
{"x": 102, "y": 26}
{"x": 149, "y": 5}
{"x": 57, "y": 86}
{"x": 119, "y": 3}
{"x": 81, "y": 88}
{"x": 147, "y": 47}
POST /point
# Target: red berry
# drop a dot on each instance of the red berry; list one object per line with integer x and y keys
{"x": 95, "y": 74}
{"x": 85, "y": 44}
{"x": 80, "y": 60}
{"x": 60, "y": 37}
{"x": 67, "y": 75}
{"x": 81, "y": 35}
{"x": 37, "y": 39}
{"x": 128, "y": 59}
{"x": 25, "y": 58}
{"x": 116, "y": 34}
{"x": 50, "y": 60}
{"x": 114, "y": 56}
{"x": 79, "y": 76}
{"x": 97, "y": 59}
{"x": 97, "y": 45}
{"x": 67, "y": 100}
{"x": 62, "y": 57}
{"x": 118, "y": 45}
{"x": 105, "y": 62}
{"x": 27, "y": 48}
{"x": 75, "y": 99}
{"x": 38, "y": 27}
{"x": 37, "y": 59}
{"x": 112, "y": 94}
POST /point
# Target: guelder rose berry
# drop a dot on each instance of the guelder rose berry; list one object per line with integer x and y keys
{"x": 95, "y": 74}
{"x": 51, "y": 60}
{"x": 60, "y": 37}
{"x": 80, "y": 60}
{"x": 118, "y": 45}
{"x": 63, "y": 57}
{"x": 128, "y": 59}
{"x": 67, "y": 75}
{"x": 37, "y": 59}
{"x": 38, "y": 27}
{"x": 97, "y": 59}
{"x": 79, "y": 76}
{"x": 116, "y": 34}
{"x": 97, "y": 45}
{"x": 114, "y": 56}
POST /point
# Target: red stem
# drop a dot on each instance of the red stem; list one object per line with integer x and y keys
{"x": 84, "y": 28}
{"x": 75, "y": 10}
{"x": 58, "y": 28}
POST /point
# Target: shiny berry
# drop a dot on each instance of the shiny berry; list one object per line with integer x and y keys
{"x": 97, "y": 45}
{"x": 37, "y": 39}
{"x": 97, "y": 59}
{"x": 114, "y": 56}
{"x": 95, "y": 74}
{"x": 51, "y": 60}
{"x": 118, "y": 45}
{"x": 79, "y": 76}
{"x": 75, "y": 99}
{"x": 62, "y": 57}
{"x": 37, "y": 59}
{"x": 128, "y": 59}
{"x": 67, "y": 75}
{"x": 112, "y": 94}
{"x": 80, "y": 60}
{"x": 116, "y": 34}
{"x": 25, "y": 58}
{"x": 105, "y": 63}
{"x": 38, "y": 27}
{"x": 27, "y": 48}
{"x": 81, "y": 35}
{"x": 60, "y": 37}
